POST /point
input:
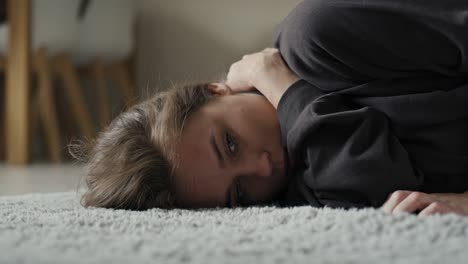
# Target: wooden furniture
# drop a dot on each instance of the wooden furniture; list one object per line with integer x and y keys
{"x": 100, "y": 73}
{"x": 27, "y": 108}
{"x": 104, "y": 47}
{"x": 2, "y": 116}
{"x": 17, "y": 84}
{"x": 42, "y": 108}
{"x": 45, "y": 106}
{"x": 71, "y": 80}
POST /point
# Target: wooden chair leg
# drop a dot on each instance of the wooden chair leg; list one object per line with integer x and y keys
{"x": 99, "y": 80}
{"x": 2, "y": 127}
{"x": 47, "y": 108}
{"x": 2, "y": 136}
{"x": 17, "y": 83}
{"x": 66, "y": 70}
{"x": 34, "y": 115}
{"x": 120, "y": 73}
{"x": 2, "y": 112}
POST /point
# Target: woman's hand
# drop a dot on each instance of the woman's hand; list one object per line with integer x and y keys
{"x": 264, "y": 71}
{"x": 427, "y": 204}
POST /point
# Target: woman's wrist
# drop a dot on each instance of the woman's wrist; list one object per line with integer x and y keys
{"x": 273, "y": 88}
{"x": 266, "y": 71}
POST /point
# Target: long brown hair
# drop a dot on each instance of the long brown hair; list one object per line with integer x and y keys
{"x": 131, "y": 162}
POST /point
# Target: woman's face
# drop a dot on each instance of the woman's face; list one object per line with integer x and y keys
{"x": 231, "y": 144}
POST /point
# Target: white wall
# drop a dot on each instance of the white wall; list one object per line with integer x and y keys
{"x": 181, "y": 40}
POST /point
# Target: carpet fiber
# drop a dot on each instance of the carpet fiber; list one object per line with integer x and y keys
{"x": 54, "y": 228}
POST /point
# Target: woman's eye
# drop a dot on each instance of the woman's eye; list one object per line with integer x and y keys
{"x": 231, "y": 144}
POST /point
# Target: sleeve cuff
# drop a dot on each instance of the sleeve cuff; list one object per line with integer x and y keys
{"x": 297, "y": 97}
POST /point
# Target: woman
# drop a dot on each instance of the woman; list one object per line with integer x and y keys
{"x": 369, "y": 103}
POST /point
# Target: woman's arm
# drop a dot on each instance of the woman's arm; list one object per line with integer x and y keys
{"x": 347, "y": 155}
{"x": 335, "y": 44}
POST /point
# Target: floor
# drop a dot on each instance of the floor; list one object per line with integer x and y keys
{"x": 39, "y": 178}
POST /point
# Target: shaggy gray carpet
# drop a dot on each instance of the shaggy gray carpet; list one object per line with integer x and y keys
{"x": 54, "y": 228}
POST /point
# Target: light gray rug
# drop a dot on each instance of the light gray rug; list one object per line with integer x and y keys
{"x": 54, "y": 228}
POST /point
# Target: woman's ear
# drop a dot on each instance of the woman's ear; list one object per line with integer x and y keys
{"x": 219, "y": 89}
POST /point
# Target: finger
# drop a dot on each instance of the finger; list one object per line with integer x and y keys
{"x": 414, "y": 201}
{"x": 238, "y": 86}
{"x": 269, "y": 49}
{"x": 394, "y": 199}
{"x": 435, "y": 208}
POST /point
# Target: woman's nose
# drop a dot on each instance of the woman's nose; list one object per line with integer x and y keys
{"x": 262, "y": 165}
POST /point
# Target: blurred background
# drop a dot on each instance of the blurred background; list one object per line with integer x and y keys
{"x": 68, "y": 67}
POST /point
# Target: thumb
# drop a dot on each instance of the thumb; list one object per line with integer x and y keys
{"x": 237, "y": 85}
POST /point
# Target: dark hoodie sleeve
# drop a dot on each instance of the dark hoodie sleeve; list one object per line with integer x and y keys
{"x": 346, "y": 155}
{"x": 337, "y": 44}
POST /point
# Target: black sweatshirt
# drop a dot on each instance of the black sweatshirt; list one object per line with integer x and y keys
{"x": 382, "y": 104}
